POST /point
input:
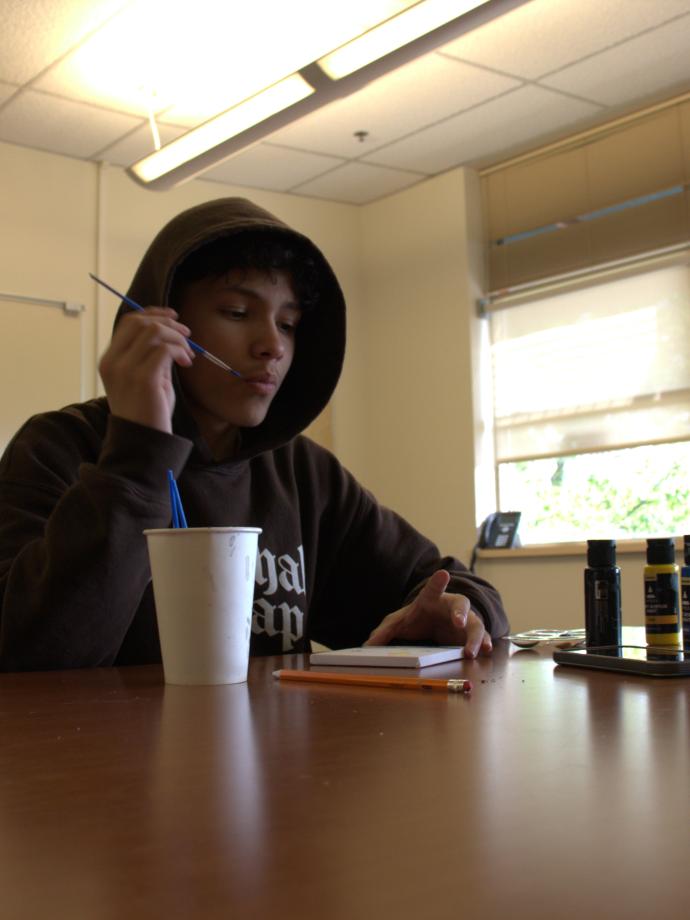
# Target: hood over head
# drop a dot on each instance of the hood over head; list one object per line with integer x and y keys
{"x": 320, "y": 336}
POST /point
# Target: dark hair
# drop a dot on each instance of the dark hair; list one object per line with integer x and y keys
{"x": 264, "y": 251}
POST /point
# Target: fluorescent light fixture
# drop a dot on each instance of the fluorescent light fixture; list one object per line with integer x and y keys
{"x": 219, "y": 129}
{"x": 416, "y": 30}
{"x": 395, "y": 32}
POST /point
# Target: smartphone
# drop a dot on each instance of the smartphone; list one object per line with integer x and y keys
{"x": 634, "y": 659}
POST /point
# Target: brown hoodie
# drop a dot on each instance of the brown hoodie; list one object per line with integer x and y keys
{"x": 79, "y": 486}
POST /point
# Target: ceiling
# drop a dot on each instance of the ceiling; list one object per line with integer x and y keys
{"x": 547, "y": 69}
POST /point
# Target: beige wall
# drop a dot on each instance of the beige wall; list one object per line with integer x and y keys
{"x": 548, "y": 590}
{"x": 420, "y": 262}
{"x": 48, "y": 234}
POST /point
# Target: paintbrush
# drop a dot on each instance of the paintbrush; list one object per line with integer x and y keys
{"x": 178, "y": 516}
{"x": 193, "y": 345}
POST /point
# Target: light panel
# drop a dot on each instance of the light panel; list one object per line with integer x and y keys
{"x": 401, "y": 29}
{"x": 230, "y": 123}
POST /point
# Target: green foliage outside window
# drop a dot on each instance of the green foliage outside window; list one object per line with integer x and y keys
{"x": 633, "y": 493}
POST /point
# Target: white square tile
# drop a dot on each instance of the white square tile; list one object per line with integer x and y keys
{"x": 35, "y": 33}
{"x": 358, "y": 183}
{"x": 269, "y": 167}
{"x": 526, "y": 116}
{"x": 544, "y": 35}
{"x": 656, "y": 63}
{"x": 37, "y": 120}
{"x": 6, "y": 90}
{"x": 418, "y": 94}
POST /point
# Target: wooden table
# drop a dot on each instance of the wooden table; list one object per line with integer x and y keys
{"x": 548, "y": 792}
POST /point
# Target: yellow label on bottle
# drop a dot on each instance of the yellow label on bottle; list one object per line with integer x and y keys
{"x": 663, "y": 625}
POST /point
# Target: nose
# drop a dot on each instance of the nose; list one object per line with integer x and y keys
{"x": 268, "y": 343}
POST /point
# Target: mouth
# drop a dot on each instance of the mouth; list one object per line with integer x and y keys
{"x": 262, "y": 383}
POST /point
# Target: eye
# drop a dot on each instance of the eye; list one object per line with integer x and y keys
{"x": 233, "y": 312}
{"x": 289, "y": 323}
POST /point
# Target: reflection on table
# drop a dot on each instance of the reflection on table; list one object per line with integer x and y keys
{"x": 548, "y": 792}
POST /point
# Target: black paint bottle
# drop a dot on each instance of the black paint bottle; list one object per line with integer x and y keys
{"x": 602, "y": 594}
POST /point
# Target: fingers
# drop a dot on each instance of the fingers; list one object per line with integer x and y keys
{"x": 136, "y": 368}
{"x": 477, "y": 639}
{"x": 155, "y": 346}
{"x": 435, "y": 616}
{"x": 431, "y": 617}
{"x": 430, "y": 613}
{"x": 452, "y": 623}
{"x": 137, "y": 333}
{"x": 388, "y": 628}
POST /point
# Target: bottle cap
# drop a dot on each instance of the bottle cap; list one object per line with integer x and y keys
{"x": 601, "y": 552}
{"x": 661, "y": 551}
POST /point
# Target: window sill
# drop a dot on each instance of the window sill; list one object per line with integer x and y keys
{"x": 579, "y": 549}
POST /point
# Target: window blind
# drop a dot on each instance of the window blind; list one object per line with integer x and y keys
{"x": 618, "y": 192}
{"x": 594, "y": 368}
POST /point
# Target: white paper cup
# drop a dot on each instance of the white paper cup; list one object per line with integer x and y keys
{"x": 203, "y": 586}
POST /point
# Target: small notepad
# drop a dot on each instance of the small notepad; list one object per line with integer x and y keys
{"x": 389, "y": 656}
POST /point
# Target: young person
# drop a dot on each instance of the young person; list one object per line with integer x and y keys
{"x": 79, "y": 486}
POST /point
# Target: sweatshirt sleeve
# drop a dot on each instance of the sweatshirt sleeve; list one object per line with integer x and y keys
{"x": 372, "y": 562}
{"x": 73, "y": 558}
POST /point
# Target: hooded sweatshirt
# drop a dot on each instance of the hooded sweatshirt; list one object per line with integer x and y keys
{"x": 79, "y": 486}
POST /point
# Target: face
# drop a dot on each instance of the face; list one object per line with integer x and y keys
{"x": 247, "y": 319}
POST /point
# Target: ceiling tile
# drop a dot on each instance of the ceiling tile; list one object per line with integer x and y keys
{"x": 37, "y": 120}
{"x": 358, "y": 183}
{"x": 6, "y": 90}
{"x": 274, "y": 168}
{"x": 644, "y": 67}
{"x": 425, "y": 91}
{"x": 526, "y": 116}
{"x": 137, "y": 145}
{"x": 37, "y": 32}
{"x": 543, "y": 35}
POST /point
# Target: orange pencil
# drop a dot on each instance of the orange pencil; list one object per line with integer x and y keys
{"x": 377, "y": 680}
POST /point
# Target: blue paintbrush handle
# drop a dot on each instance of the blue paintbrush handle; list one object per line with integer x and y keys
{"x": 178, "y": 515}
{"x": 136, "y": 306}
{"x": 173, "y": 503}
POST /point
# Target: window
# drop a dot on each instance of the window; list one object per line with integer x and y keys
{"x": 592, "y": 403}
